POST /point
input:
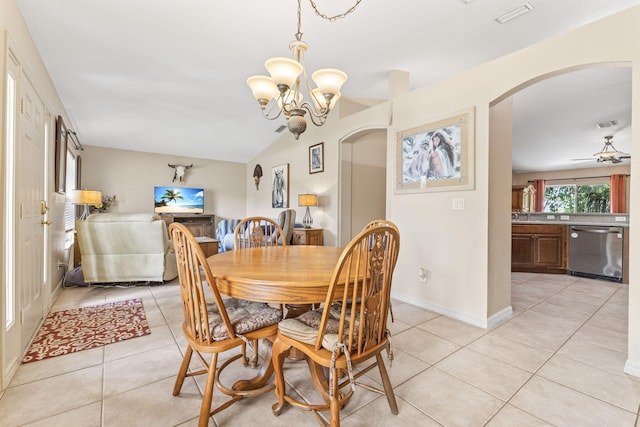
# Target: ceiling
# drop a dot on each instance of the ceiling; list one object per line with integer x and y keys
{"x": 169, "y": 77}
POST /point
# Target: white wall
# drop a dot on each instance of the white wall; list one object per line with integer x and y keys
{"x": 500, "y": 153}
{"x": 325, "y": 184}
{"x": 368, "y": 170}
{"x": 131, "y": 176}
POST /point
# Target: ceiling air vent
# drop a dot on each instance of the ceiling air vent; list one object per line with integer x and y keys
{"x": 608, "y": 124}
{"x": 512, "y": 14}
{"x": 281, "y": 128}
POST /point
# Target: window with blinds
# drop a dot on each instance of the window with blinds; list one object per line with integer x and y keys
{"x": 70, "y": 209}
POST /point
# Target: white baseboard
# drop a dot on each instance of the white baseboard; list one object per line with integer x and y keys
{"x": 500, "y": 317}
{"x": 632, "y": 367}
{"x": 492, "y": 321}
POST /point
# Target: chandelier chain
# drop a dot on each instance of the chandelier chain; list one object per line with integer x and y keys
{"x": 322, "y": 15}
{"x": 335, "y": 17}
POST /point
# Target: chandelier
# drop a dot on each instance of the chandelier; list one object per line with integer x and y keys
{"x": 280, "y": 94}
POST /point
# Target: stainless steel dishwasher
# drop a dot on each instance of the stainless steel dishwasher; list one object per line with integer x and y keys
{"x": 596, "y": 251}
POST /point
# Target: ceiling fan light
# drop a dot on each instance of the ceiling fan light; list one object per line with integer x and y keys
{"x": 329, "y": 80}
{"x": 284, "y": 71}
{"x": 607, "y": 154}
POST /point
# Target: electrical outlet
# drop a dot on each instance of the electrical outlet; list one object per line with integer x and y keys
{"x": 565, "y": 217}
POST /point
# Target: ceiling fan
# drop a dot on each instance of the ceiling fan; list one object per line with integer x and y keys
{"x": 609, "y": 153}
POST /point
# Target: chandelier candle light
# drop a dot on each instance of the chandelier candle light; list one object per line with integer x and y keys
{"x": 86, "y": 198}
{"x": 282, "y": 89}
{"x": 307, "y": 200}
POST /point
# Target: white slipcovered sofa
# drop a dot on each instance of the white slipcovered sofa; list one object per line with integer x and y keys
{"x": 125, "y": 247}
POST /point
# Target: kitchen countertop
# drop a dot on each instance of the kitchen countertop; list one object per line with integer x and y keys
{"x": 618, "y": 220}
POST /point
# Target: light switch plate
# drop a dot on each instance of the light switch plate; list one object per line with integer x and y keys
{"x": 457, "y": 204}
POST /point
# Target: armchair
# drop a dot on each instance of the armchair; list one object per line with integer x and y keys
{"x": 286, "y": 220}
{"x": 224, "y": 231}
{"x": 125, "y": 248}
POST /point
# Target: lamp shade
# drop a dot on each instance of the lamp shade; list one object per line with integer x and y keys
{"x": 85, "y": 197}
{"x": 329, "y": 80}
{"x": 307, "y": 200}
{"x": 284, "y": 71}
{"x": 262, "y": 87}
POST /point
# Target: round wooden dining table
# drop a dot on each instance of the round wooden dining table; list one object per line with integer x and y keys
{"x": 296, "y": 276}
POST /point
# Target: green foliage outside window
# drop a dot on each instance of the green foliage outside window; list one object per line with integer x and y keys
{"x": 577, "y": 198}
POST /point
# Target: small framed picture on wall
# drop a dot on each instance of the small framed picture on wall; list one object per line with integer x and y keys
{"x": 61, "y": 157}
{"x": 280, "y": 186}
{"x": 316, "y": 158}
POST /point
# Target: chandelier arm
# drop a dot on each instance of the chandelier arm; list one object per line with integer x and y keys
{"x": 318, "y": 119}
{"x": 331, "y": 18}
{"x": 274, "y": 106}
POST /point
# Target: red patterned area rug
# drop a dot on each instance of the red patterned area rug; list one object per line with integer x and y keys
{"x": 69, "y": 331}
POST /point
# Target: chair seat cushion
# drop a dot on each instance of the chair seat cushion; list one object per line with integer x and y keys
{"x": 245, "y": 316}
{"x": 305, "y": 328}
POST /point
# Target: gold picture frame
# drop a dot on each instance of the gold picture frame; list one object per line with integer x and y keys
{"x": 437, "y": 156}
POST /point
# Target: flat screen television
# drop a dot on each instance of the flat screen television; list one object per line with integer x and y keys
{"x": 178, "y": 200}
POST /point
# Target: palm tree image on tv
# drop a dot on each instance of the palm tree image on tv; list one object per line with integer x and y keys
{"x": 178, "y": 200}
{"x": 171, "y": 196}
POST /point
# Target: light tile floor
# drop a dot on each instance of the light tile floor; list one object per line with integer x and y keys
{"x": 557, "y": 362}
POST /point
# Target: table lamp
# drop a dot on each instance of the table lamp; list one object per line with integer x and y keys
{"x": 86, "y": 198}
{"x": 307, "y": 200}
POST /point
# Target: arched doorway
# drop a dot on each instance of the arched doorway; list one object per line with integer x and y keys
{"x": 363, "y": 172}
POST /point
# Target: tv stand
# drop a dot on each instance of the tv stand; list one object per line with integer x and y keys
{"x": 200, "y": 225}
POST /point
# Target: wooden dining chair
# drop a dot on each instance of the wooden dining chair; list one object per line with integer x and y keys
{"x": 254, "y": 232}
{"x": 387, "y": 223}
{"x": 214, "y": 326}
{"x": 349, "y": 330}
{"x": 382, "y": 222}
{"x": 258, "y": 231}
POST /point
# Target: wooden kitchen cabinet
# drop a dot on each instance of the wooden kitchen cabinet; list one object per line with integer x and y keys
{"x": 517, "y": 193}
{"x": 539, "y": 248}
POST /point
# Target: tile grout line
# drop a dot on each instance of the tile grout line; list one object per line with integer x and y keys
{"x": 534, "y": 374}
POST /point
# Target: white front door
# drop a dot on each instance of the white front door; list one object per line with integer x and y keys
{"x": 11, "y": 335}
{"x": 30, "y": 278}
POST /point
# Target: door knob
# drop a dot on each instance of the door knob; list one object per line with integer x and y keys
{"x": 47, "y": 222}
